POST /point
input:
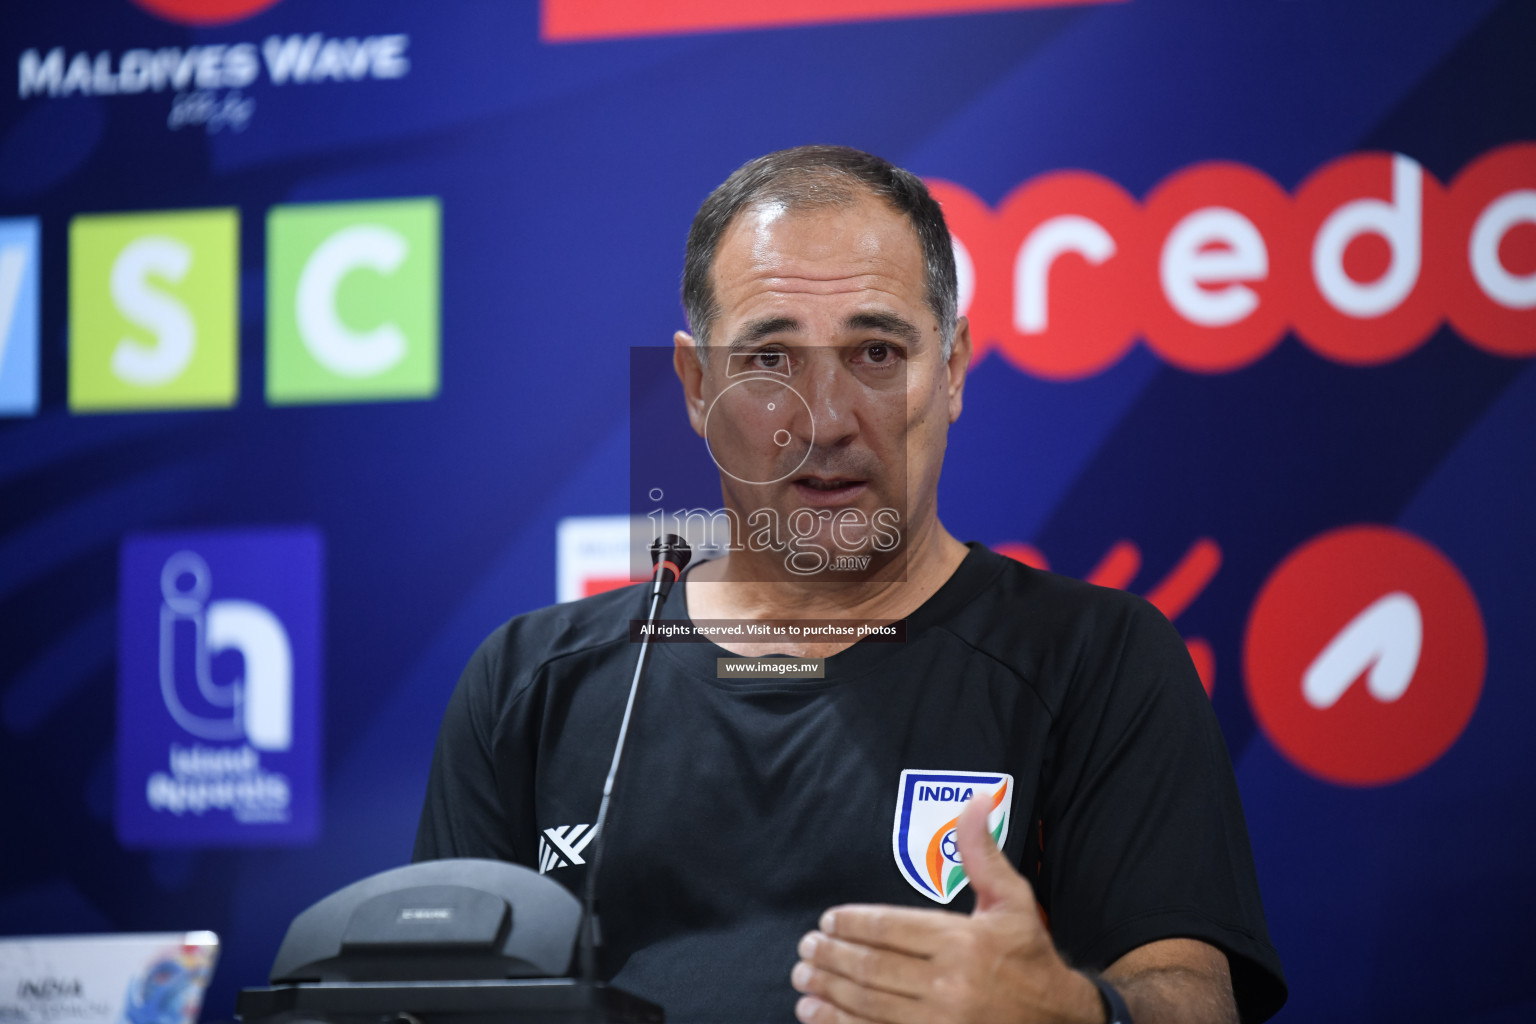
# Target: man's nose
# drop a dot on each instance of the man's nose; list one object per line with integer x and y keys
{"x": 833, "y": 395}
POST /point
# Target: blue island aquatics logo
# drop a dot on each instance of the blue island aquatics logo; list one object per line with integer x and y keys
{"x": 924, "y": 837}
{"x": 219, "y": 690}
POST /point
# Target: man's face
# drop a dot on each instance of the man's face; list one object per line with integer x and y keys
{"x": 826, "y": 397}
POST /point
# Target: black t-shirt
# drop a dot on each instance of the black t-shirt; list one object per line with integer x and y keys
{"x": 744, "y": 808}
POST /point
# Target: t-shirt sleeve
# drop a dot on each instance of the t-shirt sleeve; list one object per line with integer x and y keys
{"x": 1142, "y": 826}
{"x": 471, "y": 802}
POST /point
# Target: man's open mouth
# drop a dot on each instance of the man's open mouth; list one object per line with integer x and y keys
{"x": 828, "y": 490}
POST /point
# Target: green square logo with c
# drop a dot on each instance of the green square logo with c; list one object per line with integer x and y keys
{"x": 352, "y": 301}
{"x": 154, "y": 311}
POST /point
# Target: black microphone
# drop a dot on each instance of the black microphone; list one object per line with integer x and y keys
{"x": 669, "y": 557}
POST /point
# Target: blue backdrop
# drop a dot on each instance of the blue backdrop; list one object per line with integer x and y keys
{"x": 1394, "y": 865}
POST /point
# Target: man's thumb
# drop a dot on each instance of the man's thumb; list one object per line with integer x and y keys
{"x": 996, "y": 883}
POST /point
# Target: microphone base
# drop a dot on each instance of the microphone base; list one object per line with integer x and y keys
{"x": 510, "y": 1001}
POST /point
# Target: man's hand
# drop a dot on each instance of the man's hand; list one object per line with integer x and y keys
{"x": 896, "y": 965}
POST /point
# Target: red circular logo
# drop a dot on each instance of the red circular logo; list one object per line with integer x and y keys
{"x": 1364, "y": 655}
{"x": 204, "y": 12}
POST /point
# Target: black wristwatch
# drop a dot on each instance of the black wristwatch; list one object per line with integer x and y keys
{"x": 1115, "y": 1011}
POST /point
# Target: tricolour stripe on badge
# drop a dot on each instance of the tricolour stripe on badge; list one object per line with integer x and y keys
{"x": 936, "y": 847}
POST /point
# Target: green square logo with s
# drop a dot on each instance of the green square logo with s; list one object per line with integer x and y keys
{"x": 352, "y": 301}
{"x": 154, "y": 310}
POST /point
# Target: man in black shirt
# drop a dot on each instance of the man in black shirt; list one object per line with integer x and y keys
{"x": 964, "y": 826}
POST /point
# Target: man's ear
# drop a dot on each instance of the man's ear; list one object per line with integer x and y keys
{"x": 685, "y": 360}
{"x": 959, "y": 363}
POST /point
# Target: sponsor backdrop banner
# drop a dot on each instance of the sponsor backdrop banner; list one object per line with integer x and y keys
{"x": 316, "y": 333}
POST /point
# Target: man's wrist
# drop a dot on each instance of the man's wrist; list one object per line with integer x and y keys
{"x": 1079, "y": 1001}
{"x": 1113, "y": 1003}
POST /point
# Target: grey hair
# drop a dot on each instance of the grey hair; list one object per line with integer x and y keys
{"x": 810, "y": 177}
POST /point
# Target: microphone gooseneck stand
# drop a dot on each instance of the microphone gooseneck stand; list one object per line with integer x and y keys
{"x": 670, "y": 556}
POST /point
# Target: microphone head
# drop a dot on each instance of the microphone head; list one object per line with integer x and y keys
{"x": 671, "y": 552}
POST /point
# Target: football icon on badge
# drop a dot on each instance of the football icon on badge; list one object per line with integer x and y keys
{"x": 925, "y": 839}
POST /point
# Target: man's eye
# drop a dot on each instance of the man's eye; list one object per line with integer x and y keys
{"x": 881, "y": 353}
{"x": 770, "y": 360}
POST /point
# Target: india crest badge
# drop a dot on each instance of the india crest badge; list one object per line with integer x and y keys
{"x": 924, "y": 837}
